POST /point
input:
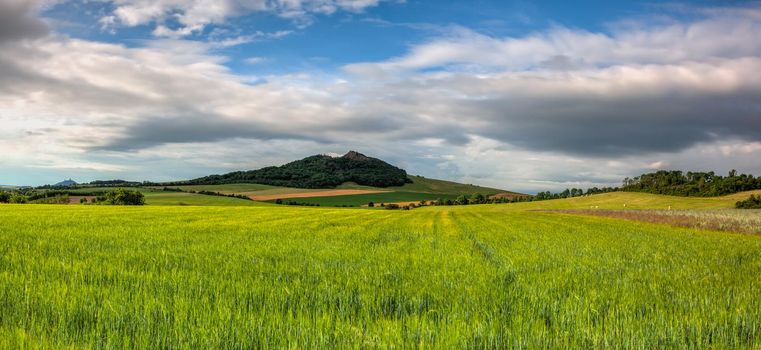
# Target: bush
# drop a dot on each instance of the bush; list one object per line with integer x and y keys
{"x": 5, "y": 197}
{"x": 121, "y": 196}
{"x": 751, "y": 203}
{"x": 392, "y": 206}
{"x": 371, "y": 205}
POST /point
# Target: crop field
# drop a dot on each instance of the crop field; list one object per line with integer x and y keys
{"x": 486, "y": 276}
{"x": 182, "y": 198}
{"x": 378, "y": 198}
{"x": 636, "y": 200}
{"x": 420, "y": 189}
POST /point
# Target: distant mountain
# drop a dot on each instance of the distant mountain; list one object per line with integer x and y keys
{"x": 66, "y": 183}
{"x": 319, "y": 171}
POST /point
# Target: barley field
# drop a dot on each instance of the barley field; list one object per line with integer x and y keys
{"x": 479, "y": 277}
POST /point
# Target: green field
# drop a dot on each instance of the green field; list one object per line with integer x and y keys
{"x": 486, "y": 276}
{"x": 158, "y": 197}
{"x": 420, "y": 189}
{"x": 182, "y": 198}
{"x": 637, "y": 200}
{"x": 377, "y": 198}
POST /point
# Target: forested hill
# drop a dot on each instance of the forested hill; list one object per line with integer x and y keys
{"x": 319, "y": 171}
{"x": 694, "y": 184}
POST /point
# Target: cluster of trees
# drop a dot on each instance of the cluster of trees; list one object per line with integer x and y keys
{"x": 122, "y": 196}
{"x": 697, "y": 184}
{"x": 280, "y": 201}
{"x": 754, "y": 202}
{"x": 320, "y": 171}
{"x": 210, "y": 193}
{"x": 13, "y": 197}
{"x": 572, "y": 192}
{"x": 119, "y": 196}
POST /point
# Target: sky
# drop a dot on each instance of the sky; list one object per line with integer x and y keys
{"x": 520, "y": 95}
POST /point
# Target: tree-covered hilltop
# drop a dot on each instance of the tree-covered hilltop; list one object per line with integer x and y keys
{"x": 320, "y": 171}
{"x": 693, "y": 184}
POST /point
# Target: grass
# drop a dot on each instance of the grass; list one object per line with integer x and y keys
{"x": 225, "y": 188}
{"x": 425, "y": 185}
{"x": 732, "y": 220}
{"x": 636, "y": 200}
{"x": 182, "y": 198}
{"x": 425, "y": 189}
{"x": 378, "y": 198}
{"x": 484, "y": 276}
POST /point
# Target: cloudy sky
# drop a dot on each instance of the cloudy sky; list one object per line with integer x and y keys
{"x": 519, "y": 95}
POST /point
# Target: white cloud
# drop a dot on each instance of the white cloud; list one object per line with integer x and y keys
{"x": 256, "y": 60}
{"x": 192, "y": 16}
{"x": 563, "y": 108}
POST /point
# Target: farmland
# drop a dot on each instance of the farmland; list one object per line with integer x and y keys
{"x": 484, "y": 276}
{"x": 419, "y": 189}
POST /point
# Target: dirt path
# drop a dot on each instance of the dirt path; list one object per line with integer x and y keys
{"x": 309, "y": 194}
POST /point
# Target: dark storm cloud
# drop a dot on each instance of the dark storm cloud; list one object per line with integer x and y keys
{"x": 623, "y": 126}
{"x": 159, "y": 131}
{"x": 17, "y": 21}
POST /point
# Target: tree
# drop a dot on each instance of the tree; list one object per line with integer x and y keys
{"x": 5, "y": 197}
{"x": 17, "y": 198}
{"x": 371, "y": 205}
{"x": 122, "y": 196}
{"x": 462, "y": 200}
{"x": 477, "y": 198}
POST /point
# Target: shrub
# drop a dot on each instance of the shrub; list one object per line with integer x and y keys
{"x": 371, "y": 205}
{"x": 751, "y": 203}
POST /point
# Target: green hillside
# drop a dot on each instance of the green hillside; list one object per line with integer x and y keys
{"x": 425, "y": 185}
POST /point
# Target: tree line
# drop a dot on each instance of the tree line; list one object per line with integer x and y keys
{"x": 119, "y": 196}
{"x": 691, "y": 184}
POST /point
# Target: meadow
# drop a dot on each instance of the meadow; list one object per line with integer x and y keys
{"x": 485, "y": 276}
{"x": 421, "y": 189}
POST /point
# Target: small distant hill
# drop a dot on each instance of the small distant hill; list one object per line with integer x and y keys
{"x": 66, "y": 183}
{"x": 114, "y": 183}
{"x": 318, "y": 171}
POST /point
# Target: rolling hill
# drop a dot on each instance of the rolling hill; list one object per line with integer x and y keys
{"x": 318, "y": 171}
{"x": 350, "y": 180}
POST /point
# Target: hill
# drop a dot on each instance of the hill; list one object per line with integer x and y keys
{"x": 319, "y": 171}
{"x": 66, "y": 183}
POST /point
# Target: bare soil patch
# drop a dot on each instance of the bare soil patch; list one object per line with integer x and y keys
{"x": 76, "y": 199}
{"x": 310, "y": 194}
